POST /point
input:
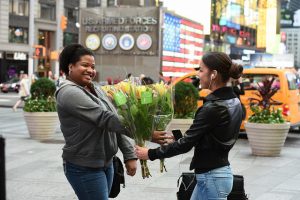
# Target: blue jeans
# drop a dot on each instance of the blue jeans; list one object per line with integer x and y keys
{"x": 90, "y": 183}
{"x": 213, "y": 185}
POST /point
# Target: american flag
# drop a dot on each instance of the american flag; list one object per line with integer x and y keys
{"x": 182, "y": 46}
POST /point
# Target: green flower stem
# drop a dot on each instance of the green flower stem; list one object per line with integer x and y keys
{"x": 144, "y": 166}
{"x": 162, "y": 165}
{"x": 145, "y": 169}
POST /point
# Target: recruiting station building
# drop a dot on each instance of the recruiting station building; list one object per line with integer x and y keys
{"x": 140, "y": 40}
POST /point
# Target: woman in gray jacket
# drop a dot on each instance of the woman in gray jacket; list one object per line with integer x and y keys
{"x": 91, "y": 127}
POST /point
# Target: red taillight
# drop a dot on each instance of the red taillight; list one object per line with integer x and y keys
{"x": 285, "y": 110}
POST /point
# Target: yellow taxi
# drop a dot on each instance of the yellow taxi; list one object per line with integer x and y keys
{"x": 286, "y": 80}
{"x": 288, "y": 93}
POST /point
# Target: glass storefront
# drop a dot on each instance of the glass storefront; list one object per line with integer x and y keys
{"x": 70, "y": 38}
{"x": 43, "y": 64}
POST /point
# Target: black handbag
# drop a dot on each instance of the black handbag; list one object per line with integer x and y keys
{"x": 238, "y": 191}
{"x": 119, "y": 177}
{"x": 188, "y": 183}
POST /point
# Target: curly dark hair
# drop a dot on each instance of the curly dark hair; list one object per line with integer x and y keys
{"x": 223, "y": 64}
{"x": 72, "y": 54}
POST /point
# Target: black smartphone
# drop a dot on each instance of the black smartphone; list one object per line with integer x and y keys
{"x": 177, "y": 134}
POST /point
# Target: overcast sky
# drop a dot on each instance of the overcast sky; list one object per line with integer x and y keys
{"x": 192, "y": 10}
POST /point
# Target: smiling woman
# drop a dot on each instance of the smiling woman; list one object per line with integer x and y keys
{"x": 91, "y": 127}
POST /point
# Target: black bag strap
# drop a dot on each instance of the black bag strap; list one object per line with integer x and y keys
{"x": 179, "y": 180}
{"x": 186, "y": 186}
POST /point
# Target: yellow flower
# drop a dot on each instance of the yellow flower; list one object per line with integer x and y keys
{"x": 139, "y": 90}
{"x": 125, "y": 87}
{"x": 160, "y": 88}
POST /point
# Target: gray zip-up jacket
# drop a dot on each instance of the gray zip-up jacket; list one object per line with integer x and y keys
{"x": 90, "y": 126}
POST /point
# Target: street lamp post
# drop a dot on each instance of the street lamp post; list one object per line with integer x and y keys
{"x": 31, "y": 38}
{"x": 2, "y": 169}
{"x": 59, "y": 32}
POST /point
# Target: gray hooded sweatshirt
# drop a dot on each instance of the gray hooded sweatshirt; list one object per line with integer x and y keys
{"x": 90, "y": 126}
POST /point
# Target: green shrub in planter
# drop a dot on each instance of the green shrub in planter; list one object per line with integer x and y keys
{"x": 42, "y": 97}
{"x": 43, "y": 87}
{"x": 186, "y": 97}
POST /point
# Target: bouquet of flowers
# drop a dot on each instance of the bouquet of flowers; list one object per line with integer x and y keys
{"x": 140, "y": 107}
{"x": 136, "y": 105}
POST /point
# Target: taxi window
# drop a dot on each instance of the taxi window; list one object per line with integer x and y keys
{"x": 291, "y": 78}
{"x": 252, "y": 81}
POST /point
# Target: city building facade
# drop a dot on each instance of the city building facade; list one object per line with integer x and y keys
{"x": 292, "y": 43}
{"x": 18, "y": 44}
{"x": 237, "y": 27}
{"x": 290, "y": 29}
{"x": 243, "y": 27}
{"x": 26, "y": 48}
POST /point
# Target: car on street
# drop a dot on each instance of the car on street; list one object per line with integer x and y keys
{"x": 11, "y": 85}
{"x": 286, "y": 80}
{"x": 287, "y": 94}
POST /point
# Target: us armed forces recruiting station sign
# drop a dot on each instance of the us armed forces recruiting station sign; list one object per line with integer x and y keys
{"x": 124, "y": 39}
{"x": 121, "y": 31}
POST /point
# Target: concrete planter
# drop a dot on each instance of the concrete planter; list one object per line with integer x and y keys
{"x": 266, "y": 139}
{"x": 41, "y": 125}
{"x": 182, "y": 124}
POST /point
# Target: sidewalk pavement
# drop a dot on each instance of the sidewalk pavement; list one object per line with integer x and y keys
{"x": 34, "y": 169}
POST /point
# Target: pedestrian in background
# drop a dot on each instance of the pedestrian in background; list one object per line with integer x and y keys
{"x": 147, "y": 80}
{"x": 24, "y": 90}
{"x": 90, "y": 126}
{"x": 170, "y": 80}
{"x": 161, "y": 78}
{"x": 238, "y": 87}
{"x": 213, "y": 132}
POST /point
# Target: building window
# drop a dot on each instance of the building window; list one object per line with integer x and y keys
{"x": 18, "y": 35}
{"x": 93, "y": 3}
{"x": 111, "y": 3}
{"x": 70, "y": 38}
{"x": 48, "y": 11}
{"x": 71, "y": 14}
{"x": 19, "y": 7}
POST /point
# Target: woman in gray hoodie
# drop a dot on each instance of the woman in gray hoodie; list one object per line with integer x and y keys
{"x": 91, "y": 127}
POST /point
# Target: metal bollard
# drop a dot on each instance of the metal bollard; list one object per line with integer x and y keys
{"x": 2, "y": 169}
